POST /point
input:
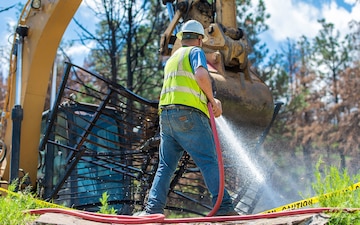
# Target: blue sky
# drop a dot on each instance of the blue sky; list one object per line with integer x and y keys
{"x": 289, "y": 19}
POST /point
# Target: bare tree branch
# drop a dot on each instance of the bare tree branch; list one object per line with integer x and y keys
{"x": 7, "y": 9}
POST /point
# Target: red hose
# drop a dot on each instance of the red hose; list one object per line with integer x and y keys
{"x": 220, "y": 163}
{"x": 159, "y": 218}
{"x": 103, "y": 218}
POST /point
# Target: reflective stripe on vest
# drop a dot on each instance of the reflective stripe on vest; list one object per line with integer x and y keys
{"x": 184, "y": 89}
{"x": 180, "y": 86}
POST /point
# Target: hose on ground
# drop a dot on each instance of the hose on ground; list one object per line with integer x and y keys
{"x": 160, "y": 218}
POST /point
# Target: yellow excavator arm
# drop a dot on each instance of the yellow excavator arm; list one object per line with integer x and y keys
{"x": 46, "y": 27}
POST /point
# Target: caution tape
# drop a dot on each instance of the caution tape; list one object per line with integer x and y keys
{"x": 39, "y": 202}
{"x": 291, "y": 206}
{"x": 310, "y": 201}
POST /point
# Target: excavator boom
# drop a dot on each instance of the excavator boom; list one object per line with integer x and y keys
{"x": 46, "y": 27}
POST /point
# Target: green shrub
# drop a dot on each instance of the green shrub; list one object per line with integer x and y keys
{"x": 105, "y": 208}
{"x": 332, "y": 187}
{"x": 12, "y": 207}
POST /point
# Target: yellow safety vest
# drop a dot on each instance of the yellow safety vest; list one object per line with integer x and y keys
{"x": 180, "y": 86}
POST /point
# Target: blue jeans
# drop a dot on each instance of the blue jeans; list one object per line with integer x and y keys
{"x": 185, "y": 130}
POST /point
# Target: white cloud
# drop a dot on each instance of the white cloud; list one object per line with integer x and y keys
{"x": 79, "y": 52}
{"x": 85, "y": 12}
{"x": 292, "y": 19}
{"x": 7, "y": 23}
{"x": 351, "y": 2}
{"x": 91, "y": 3}
{"x": 339, "y": 16}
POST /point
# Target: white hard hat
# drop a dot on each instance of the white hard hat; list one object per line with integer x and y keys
{"x": 192, "y": 26}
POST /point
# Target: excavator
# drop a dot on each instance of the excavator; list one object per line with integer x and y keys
{"x": 77, "y": 150}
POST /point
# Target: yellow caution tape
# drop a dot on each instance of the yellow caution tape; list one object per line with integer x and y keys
{"x": 39, "y": 202}
{"x": 310, "y": 201}
{"x": 291, "y": 206}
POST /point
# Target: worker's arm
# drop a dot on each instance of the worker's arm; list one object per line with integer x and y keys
{"x": 204, "y": 82}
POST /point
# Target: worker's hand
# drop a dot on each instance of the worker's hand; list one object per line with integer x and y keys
{"x": 217, "y": 108}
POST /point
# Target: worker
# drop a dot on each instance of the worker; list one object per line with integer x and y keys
{"x": 184, "y": 120}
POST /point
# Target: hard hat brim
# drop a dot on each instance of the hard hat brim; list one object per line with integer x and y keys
{"x": 180, "y": 35}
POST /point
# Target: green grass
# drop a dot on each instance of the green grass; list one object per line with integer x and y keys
{"x": 332, "y": 188}
{"x": 13, "y": 205}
